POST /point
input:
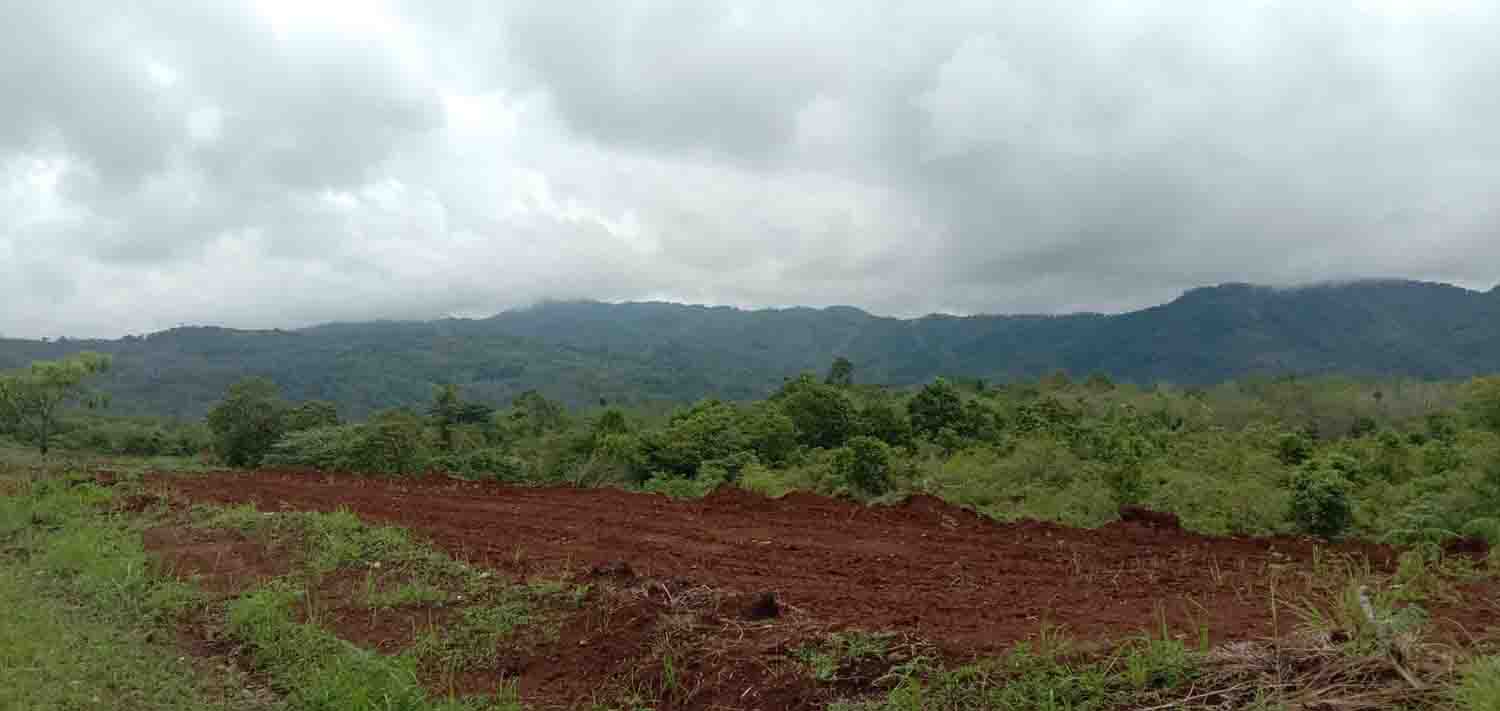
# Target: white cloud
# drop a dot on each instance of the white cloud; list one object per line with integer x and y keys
{"x": 282, "y": 163}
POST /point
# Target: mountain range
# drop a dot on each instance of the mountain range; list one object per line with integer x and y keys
{"x": 582, "y": 352}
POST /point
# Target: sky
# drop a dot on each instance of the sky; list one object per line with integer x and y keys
{"x": 280, "y": 163}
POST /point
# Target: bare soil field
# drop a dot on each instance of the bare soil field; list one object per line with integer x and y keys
{"x": 964, "y": 582}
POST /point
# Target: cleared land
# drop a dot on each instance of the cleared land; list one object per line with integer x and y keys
{"x": 968, "y": 584}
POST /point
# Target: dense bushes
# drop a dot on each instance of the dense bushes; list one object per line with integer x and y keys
{"x": 1403, "y": 461}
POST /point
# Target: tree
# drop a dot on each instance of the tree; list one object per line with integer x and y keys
{"x": 841, "y": 373}
{"x": 532, "y": 414}
{"x": 823, "y": 415}
{"x": 937, "y": 406}
{"x": 864, "y": 464}
{"x": 1320, "y": 501}
{"x": 445, "y": 410}
{"x": 310, "y": 414}
{"x": 32, "y": 400}
{"x": 1483, "y": 405}
{"x": 248, "y": 421}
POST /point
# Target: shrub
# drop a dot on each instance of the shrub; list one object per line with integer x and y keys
{"x": 492, "y": 463}
{"x": 865, "y": 464}
{"x": 248, "y": 421}
{"x": 1320, "y": 502}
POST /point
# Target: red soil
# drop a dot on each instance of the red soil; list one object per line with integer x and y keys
{"x": 925, "y": 567}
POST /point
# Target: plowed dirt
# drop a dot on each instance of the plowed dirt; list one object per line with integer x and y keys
{"x": 966, "y": 583}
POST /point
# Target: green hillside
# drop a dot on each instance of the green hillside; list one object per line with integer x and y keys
{"x": 581, "y": 352}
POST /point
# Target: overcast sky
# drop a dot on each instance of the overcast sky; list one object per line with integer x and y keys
{"x": 285, "y": 162}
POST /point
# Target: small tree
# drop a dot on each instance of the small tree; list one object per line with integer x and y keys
{"x": 1320, "y": 501}
{"x": 444, "y": 411}
{"x": 33, "y": 399}
{"x": 937, "y": 406}
{"x": 310, "y": 414}
{"x": 1483, "y": 405}
{"x": 864, "y": 463}
{"x": 841, "y": 373}
{"x": 824, "y": 416}
{"x": 248, "y": 421}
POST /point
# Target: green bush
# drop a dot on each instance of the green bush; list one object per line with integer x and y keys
{"x": 395, "y": 443}
{"x": 493, "y": 463}
{"x": 865, "y": 463}
{"x": 1320, "y": 501}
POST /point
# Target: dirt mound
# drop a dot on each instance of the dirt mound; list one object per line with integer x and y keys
{"x": 924, "y": 567}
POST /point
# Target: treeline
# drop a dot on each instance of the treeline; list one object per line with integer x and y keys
{"x": 1405, "y": 461}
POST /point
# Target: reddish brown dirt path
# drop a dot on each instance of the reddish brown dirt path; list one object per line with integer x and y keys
{"x": 969, "y": 584}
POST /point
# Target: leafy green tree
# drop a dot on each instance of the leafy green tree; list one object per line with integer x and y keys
{"x": 33, "y": 399}
{"x": 882, "y": 420}
{"x": 1483, "y": 404}
{"x": 310, "y": 414}
{"x": 937, "y": 406}
{"x": 1320, "y": 501}
{"x": 865, "y": 463}
{"x": 248, "y": 421}
{"x": 610, "y": 422}
{"x": 397, "y": 442}
{"x": 531, "y": 414}
{"x": 823, "y": 415}
{"x": 710, "y": 429}
{"x": 841, "y": 373}
{"x": 445, "y": 410}
{"x": 769, "y": 433}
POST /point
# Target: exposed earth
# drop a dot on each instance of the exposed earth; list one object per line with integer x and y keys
{"x": 960, "y": 582}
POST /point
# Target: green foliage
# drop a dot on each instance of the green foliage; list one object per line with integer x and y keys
{"x": 392, "y": 443}
{"x": 822, "y": 414}
{"x": 841, "y": 373}
{"x": 86, "y": 623}
{"x": 1320, "y": 500}
{"x": 248, "y": 421}
{"x": 865, "y": 464}
{"x": 1479, "y": 687}
{"x": 938, "y": 406}
{"x": 1483, "y": 405}
{"x": 32, "y": 400}
{"x": 310, "y": 414}
{"x": 493, "y": 463}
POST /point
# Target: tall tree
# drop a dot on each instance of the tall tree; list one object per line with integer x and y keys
{"x": 841, "y": 373}
{"x": 32, "y": 399}
{"x": 248, "y": 421}
{"x": 444, "y": 411}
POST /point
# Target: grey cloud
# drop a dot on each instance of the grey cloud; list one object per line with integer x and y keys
{"x": 280, "y": 163}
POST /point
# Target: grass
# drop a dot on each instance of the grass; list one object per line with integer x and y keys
{"x": 87, "y": 623}
{"x": 320, "y": 672}
{"x": 1033, "y": 678}
{"x": 842, "y": 652}
{"x": 89, "y": 619}
{"x": 87, "y": 615}
{"x": 1479, "y": 687}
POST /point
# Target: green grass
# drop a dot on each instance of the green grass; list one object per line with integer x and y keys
{"x": 88, "y": 619}
{"x": 1038, "y": 678}
{"x": 1479, "y": 688}
{"x": 320, "y": 672}
{"x": 85, "y": 619}
{"x": 842, "y": 651}
{"x": 60, "y": 654}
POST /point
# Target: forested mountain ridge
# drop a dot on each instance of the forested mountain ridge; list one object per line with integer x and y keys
{"x": 583, "y": 351}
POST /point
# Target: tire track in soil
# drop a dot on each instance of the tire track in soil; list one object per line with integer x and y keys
{"x": 963, "y": 581}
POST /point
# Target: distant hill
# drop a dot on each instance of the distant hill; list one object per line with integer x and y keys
{"x": 583, "y": 351}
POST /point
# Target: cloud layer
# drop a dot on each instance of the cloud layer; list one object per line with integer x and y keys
{"x": 280, "y": 163}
